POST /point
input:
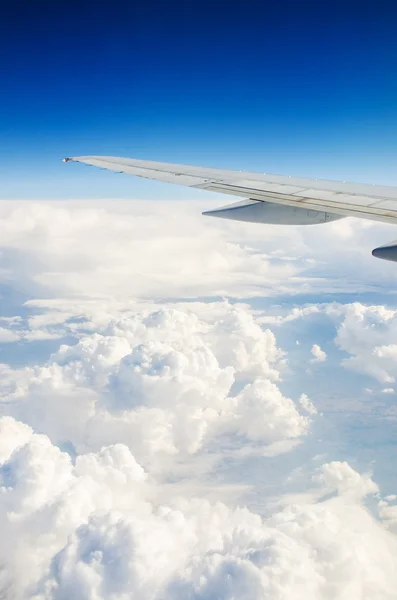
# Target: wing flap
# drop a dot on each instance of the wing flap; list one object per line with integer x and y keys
{"x": 330, "y": 206}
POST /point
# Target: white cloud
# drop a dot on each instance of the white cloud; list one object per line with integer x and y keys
{"x": 262, "y": 413}
{"x": 318, "y": 354}
{"x": 388, "y": 512}
{"x": 12, "y": 435}
{"x": 104, "y": 441}
{"x": 161, "y": 381}
{"x": 366, "y": 332}
{"x": 341, "y": 477}
{"x": 150, "y": 249}
{"x": 6, "y": 335}
{"x": 167, "y": 249}
{"x": 94, "y": 529}
{"x": 307, "y": 405}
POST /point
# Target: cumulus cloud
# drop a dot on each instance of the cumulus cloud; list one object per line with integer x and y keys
{"x": 93, "y": 529}
{"x": 341, "y": 477}
{"x": 318, "y": 354}
{"x": 387, "y": 510}
{"x": 307, "y": 404}
{"x": 142, "y": 380}
{"x": 366, "y": 332}
{"x": 164, "y": 382}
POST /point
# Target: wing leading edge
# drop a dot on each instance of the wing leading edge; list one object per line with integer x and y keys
{"x": 272, "y": 198}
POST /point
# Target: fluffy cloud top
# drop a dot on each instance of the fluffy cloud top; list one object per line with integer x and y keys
{"x": 163, "y": 382}
{"x": 91, "y": 530}
{"x": 368, "y": 333}
{"x": 129, "y": 397}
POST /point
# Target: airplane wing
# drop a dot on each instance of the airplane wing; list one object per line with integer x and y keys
{"x": 270, "y": 198}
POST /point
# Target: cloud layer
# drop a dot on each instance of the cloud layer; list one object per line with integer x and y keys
{"x": 161, "y": 250}
{"x": 91, "y": 530}
{"x": 164, "y": 382}
{"x": 367, "y": 333}
{"x": 128, "y": 384}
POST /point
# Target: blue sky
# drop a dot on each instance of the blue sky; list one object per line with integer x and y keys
{"x": 302, "y": 89}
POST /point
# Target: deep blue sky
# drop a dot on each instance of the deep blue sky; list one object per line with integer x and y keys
{"x": 292, "y": 87}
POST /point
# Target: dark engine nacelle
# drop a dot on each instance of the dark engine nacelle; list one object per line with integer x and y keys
{"x": 387, "y": 252}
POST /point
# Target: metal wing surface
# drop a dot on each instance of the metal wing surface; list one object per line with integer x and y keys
{"x": 339, "y": 198}
{"x": 269, "y": 198}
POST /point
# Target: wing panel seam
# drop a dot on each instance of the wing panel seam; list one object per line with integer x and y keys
{"x": 290, "y": 200}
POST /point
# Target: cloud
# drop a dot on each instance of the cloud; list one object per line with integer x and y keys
{"x": 7, "y": 336}
{"x": 366, "y": 332}
{"x": 140, "y": 409}
{"x": 341, "y": 477}
{"x": 387, "y": 510}
{"x": 164, "y": 382}
{"x": 167, "y": 249}
{"x": 129, "y": 249}
{"x": 93, "y": 529}
{"x": 318, "y": 354}
{"x": 307, "y": 405}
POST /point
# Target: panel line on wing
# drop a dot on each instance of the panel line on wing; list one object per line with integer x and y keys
{"x": 310, "y": 203}
{"x": 321, "y": 187}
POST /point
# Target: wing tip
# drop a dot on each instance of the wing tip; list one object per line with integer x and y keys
{"x": 74, "y": 158}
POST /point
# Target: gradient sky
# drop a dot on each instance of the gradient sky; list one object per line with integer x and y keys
{"x": 294, "y": 88}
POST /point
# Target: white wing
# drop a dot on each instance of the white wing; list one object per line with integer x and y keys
{"x": 321, "y": 200}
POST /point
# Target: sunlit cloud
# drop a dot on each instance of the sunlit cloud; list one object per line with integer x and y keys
{"x": 152, "y": 386}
